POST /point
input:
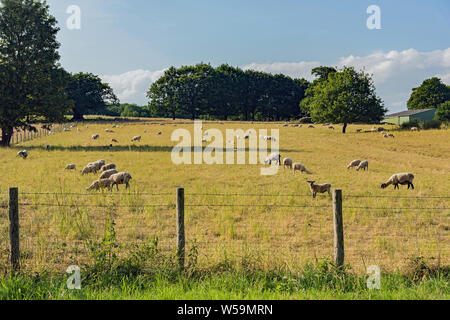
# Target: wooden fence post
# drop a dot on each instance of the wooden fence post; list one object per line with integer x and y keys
{"x": 180, "y": 227}
{"x": 14, "y": 228}
{"x": 338, "y": 228}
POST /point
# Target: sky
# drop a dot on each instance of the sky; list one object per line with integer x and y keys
{"x": 129, "y": 43}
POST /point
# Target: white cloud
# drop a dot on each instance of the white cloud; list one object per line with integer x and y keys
{"x": 132, "y": 86}
{"x": 395, "y": 74}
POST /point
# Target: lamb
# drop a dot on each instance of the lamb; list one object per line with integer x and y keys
{"x": 107, "y": 174}
{"x": 70, "y": 167}
{"x": 287, "y": 162}
{"x": 363, "y": 165}
{"x": 319, "y": 188}
{"x": 354, "y": 163}
{"x": 23, "y": 154}
{"x": 120, "y": 178}
{"x": 273, "y": 157}
{"x": 107, "y": 167}
{"x": 100, "y": 184}
{"x": 136, "y": 138}
{"x": 400, "y": 178}
{"x": 89, "y": 169}
{"x": 299, "y": 167}
{"x": 95, "y": 136}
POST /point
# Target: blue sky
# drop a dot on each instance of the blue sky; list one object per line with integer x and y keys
{"x": 130, "y": 42}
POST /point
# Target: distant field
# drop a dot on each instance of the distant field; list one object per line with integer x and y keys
{"x": 233, "y": 213}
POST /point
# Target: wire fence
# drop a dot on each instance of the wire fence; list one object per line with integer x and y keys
{"x": 275, "y": 229}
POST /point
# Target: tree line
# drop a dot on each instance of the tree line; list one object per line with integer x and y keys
{"x": 35, "y": 88}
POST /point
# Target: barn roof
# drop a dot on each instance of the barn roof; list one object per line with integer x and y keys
{"x": 407, "y": 113}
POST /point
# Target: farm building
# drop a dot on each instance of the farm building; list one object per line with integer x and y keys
{"x": 408, "y": 115}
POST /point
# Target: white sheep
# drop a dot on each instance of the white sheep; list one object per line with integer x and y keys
{"x": 363, "y": 165}
{"x": 97, "y": 164}
{"x": 400, "y": 178}
{"x": 23, "y": 154}
{"x": 287, "y": 162}
{"x": 354, "y": 163}
{"x": 299, "y": 167}
{"x": 120, "y": 178}
{"x": 70, "y": 167}
{"x": 100, "y": 184}
{"x": 95, "y": 136}
{"x": 319, "y": 188}
{"x": 136, "y": 138}
{"x": 108, "y": 166}
{"x": 107, "y": 174}
{"x": 89, "y": 169}
{"x": 274, "y": 157}
{"x": 414, "y": 129}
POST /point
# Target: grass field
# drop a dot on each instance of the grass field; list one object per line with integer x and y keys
{"x": 271, "y": 221}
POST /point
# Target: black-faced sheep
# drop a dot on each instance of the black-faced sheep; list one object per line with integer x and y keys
{"x": 400, "y": 178}
{"x": 23, "y": 154}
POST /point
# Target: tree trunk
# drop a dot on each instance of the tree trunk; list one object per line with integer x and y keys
{"x": 344, "y": 128}
{"x": 77, "y": 116}
{"x": 6, "y": 136}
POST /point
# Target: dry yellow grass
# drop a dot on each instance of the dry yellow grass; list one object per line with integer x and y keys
{"x": 253, "y": 215}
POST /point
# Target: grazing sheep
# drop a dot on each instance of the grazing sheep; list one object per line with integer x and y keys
{"x": 354, "y": 163}
{"x": 374, "y": 129}
{"x": 285, "y": 125}
{"x": 311, "y": 126}
{"x": 391, "y": 135}
{"x": 363, "y": 165}
{"x": 97, "y": 164}
{"x": 331, "y": 127}
{"x": 95, "y": 136}
{"x": 159, "y": 133}
{"x": 114, "y": 140}
{"x": 414, "y": 129}
{"x": 23, "y": 154}
{"x": 400, "y": 178}
{"x": 274, "y": 157}
{"x": 100, "y": 184}
{"x": 319, "y": 188}
{"x": 70, "y": 167}
{"x": 107, "y": 167}
{"x": 89, "y": 169}
{"x": 108, "y": 173}
{"x": 287, "y": 162}
{"x": 120, "y": 178}
{"x": 299, "y": 167}
{"x": 136, "y": 138}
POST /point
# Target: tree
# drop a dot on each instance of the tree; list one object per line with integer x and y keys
{"x": 347, "y": 96}
{"x": 322, "y": 72}
{"x": 443, "y": 111}
{"x": 430, "y": 94}
{"x": 32, "y": 84}
{"x": 89, "y": 94}
{"x": 162, "y": 95}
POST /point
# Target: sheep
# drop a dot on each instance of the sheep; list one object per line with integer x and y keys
{"x": 273, "y": 157}
{"x": 285, "y": 125}
{"x": 414, "y": 129}
{"x": 354, "y": 163}
{"x": 311, "y": 126}
{"x": 331, "y": 127}
{"x": 400, "y": 178}
{"x": 95, "y": 136}
{"x": 159, "y": 133}
{"x": 136, "y": 138}
{"x": 23, "y": 154}
{"x": 319, "y": 188}
{"x": 89, "y": 169}
{"x": 109, "y": 131}
{"x": 358, "y": 130}
{"x": 107, "y": 174}
{"x": 108, "y": 167}
{"x": 97, "y": 164}
{"x": 374, "y": 129}
{"x": 363, "y": 165}
{"x": 120, "y": 178}
{"x": 100, "y": 184}
{"x": 114, "y": 140}
{"x": 391, "y": 135}
{"x": 287, "y": 162}
{"x": 299, "y": 167}
{"x": 70, "y": 167}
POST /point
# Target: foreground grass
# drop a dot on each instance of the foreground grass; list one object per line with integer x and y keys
{"x": 227, "y": 286}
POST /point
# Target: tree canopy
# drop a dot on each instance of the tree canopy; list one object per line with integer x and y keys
{"x": 346, "y": 96}
{"x": 89, "y": 94}
{"x": 443, "y": 111}
{"x": 225, "y": 92}
{"x": 32, "y": 83}
{"x": 431, "y": 93}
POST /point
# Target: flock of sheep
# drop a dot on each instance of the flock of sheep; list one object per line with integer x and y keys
{"x": 108, "y": 178}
